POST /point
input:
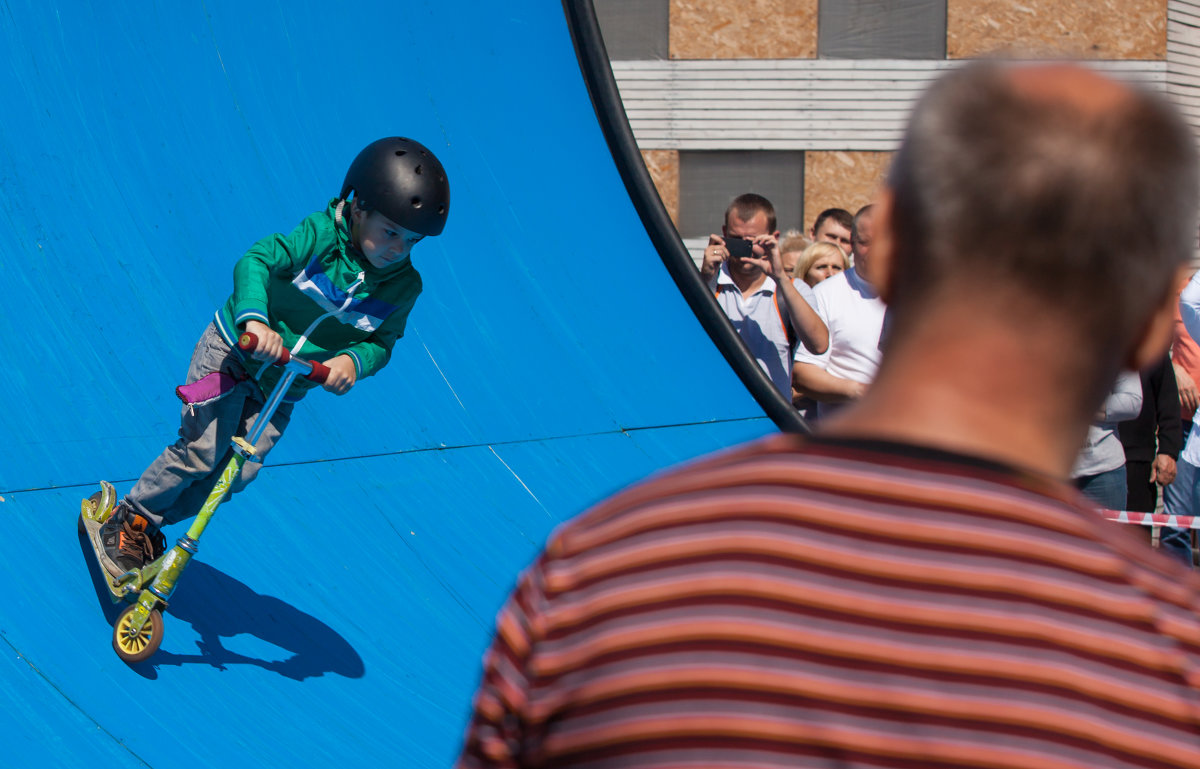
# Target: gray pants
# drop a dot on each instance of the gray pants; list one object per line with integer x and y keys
{"x": 175, "y": 486}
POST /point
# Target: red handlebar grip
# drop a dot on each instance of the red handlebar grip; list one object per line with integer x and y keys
{"x": 249, "y": 340}
{"x": 319, "y": 373}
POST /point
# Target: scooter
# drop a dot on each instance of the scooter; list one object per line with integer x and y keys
{"x": 138, "y": 631}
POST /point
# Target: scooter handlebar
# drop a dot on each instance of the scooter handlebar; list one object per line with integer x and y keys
{"x": 312, "y": 370}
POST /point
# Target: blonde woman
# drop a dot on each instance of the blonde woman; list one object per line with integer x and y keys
{"x": 818, "y": 262}
{"x": 815, "y": 263}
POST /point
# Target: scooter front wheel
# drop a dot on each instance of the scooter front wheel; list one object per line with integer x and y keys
{"x": 137, "y": 647}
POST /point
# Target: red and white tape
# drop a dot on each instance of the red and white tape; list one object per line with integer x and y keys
{"x": 1153, "y": 519}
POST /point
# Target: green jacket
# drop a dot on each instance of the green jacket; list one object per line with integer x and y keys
{"x": 313, "y": 287}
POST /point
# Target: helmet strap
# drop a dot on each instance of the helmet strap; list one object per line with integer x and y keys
{"x": 340, "y": 220}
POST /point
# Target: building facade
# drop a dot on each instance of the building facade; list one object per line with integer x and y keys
{"x": 803, "y": 101}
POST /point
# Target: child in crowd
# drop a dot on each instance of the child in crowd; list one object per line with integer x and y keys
{"x": 790, "y": 248}
{"x": 338, "y": 289}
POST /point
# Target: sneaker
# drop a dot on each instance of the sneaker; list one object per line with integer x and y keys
{"x": 129, "y": 541}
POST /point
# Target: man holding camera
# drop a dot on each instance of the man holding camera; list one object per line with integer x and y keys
{"x": 743, "y": 268}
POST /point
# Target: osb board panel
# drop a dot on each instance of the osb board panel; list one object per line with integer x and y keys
{"x": 1097, "y": 29}
{"x": 846, "y": 180}
{"x": 747, "y": 29}
{"x": 664, "y": 170}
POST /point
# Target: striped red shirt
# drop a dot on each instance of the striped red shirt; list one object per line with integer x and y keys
{"x": 843, "y": 604}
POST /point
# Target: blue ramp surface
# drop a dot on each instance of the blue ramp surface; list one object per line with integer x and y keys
{"x": 338, "y": 608}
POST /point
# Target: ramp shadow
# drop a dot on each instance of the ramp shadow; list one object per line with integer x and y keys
{"x": 218, "y": 607}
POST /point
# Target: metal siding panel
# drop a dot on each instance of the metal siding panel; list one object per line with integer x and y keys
{"x": 852, "y": 105}
{"x": 875, "y": 29}
{"x": 634, "y": 29}
{"x": 708, "y": 181}
{"x": 1183, "y": 58}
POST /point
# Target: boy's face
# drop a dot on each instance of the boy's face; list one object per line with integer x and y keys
{"x": 382, "y": 241}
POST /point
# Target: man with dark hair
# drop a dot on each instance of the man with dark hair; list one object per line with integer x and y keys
{"x": 849, "y": 306}
{"x": 916, "y": 585}
{"x": 1151, "y": 440}
{"x": 833, "y": 225}
{"x": 745, "y": 273}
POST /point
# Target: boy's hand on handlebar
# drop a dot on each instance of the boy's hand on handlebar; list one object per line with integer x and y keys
{"x": 342, "y": 375}
{"x": 270, "y": 344}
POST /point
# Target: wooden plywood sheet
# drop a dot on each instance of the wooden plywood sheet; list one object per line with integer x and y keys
{"x": 1097, "y": 29}
{"x": 749, "y": 29}
{"x": 664, "y": 170}
{"x": 838, "y": 179}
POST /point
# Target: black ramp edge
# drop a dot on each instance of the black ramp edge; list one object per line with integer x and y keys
{"x": 602, "y": 87}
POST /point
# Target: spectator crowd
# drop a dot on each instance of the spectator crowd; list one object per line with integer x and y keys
{"x": 806, "y": 306}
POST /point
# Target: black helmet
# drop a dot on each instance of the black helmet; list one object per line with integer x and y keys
{"x": 401, "y": 179}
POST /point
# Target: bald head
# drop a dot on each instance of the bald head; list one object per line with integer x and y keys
{"x": 1083, "y": 91}
{"x": 1053, "y": 183}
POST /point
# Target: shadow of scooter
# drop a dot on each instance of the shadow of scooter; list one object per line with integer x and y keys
{"x": 218, "y": 607}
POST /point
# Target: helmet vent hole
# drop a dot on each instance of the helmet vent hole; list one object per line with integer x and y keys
{"x": 417, "y": 170}
{"x": 401, "y": 153}
{"x": 441, "y": 209}
{"x": 416, "y": 202}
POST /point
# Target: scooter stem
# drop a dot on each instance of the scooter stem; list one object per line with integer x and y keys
{"x": 174, "y": 561}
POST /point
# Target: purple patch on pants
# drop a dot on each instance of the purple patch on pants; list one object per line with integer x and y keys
{"x": 207, "y": 389}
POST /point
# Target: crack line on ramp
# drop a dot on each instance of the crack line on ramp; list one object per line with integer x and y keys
{"x": 72, "y": 702}
{"x": 426, "y": 449}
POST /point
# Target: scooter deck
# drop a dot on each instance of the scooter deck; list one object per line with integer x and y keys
{"x": 94, "y": 511}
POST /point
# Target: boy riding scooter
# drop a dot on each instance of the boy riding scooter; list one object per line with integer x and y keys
{"x": 338, "y": 290}
{"x": 329, "y": 301}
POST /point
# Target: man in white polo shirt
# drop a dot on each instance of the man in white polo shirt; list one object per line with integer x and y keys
{"x": 853, "y": 312}
{"x": 740, "y": 266}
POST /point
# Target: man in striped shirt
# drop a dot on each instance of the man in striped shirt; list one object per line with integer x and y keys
{"x": 728, "y": 614}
